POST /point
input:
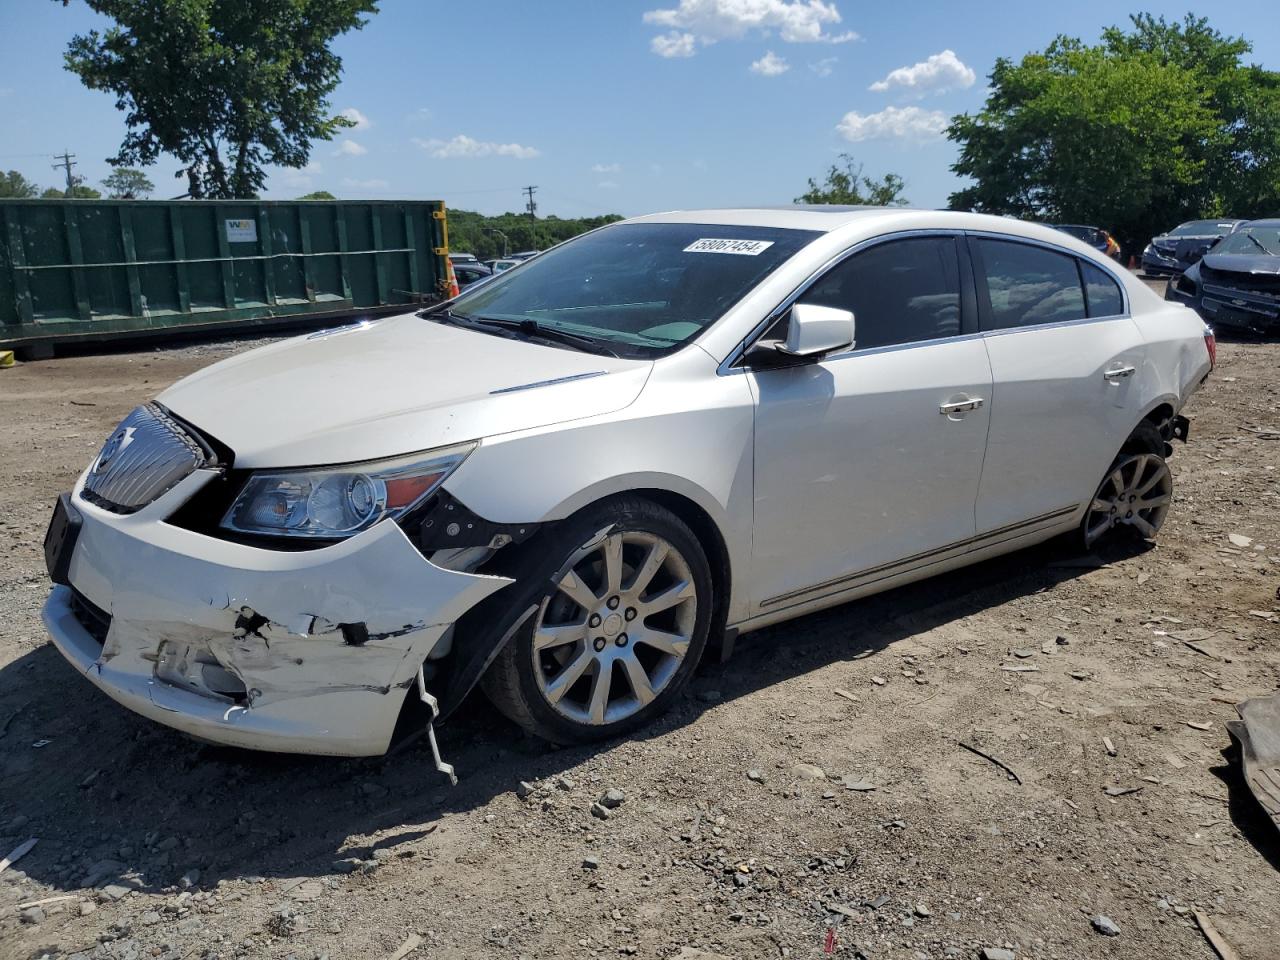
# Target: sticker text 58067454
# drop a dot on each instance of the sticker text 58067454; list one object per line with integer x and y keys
{"x": 746, "y": 248}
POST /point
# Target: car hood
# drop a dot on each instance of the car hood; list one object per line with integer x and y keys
{"x": 1243, "y": 263}
{"x": 391, "y": 387}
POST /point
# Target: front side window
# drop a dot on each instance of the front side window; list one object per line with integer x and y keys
{"x": 901, "y": 291}
{"x": 641, "y": 288}
{"x": 1029, "y": 285}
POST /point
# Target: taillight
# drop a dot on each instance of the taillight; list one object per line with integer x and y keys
{"x": 1211, "y": 344}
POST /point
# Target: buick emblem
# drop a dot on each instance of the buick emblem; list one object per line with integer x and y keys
{"x": 115, "y": 443}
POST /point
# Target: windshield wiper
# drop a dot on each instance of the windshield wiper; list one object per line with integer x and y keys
{"x": 532, "y": 328}
{"x": 1258, "y": 243}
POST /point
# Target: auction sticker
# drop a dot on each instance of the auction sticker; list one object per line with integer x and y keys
{"x": 745, "y": 248}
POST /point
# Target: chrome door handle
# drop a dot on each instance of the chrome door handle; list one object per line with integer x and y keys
{"x": 960, "y": 406}
{"x": 1120, "y": 373}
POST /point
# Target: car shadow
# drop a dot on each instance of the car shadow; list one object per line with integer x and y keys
{"x": 99, "y": 785}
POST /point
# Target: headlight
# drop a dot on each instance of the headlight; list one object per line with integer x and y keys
{"x": 1147, "y": 249}
{"x": 335, "y": 502}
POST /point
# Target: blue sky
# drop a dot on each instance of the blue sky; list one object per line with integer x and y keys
{"x": 609, "y": 105}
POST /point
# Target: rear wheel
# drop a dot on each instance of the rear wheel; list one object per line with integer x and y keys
{"x": 621, "y": 624}
{"x": 1135, "y": 495}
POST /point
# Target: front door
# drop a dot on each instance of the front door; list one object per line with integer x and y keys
{"x": 872, "y": 456}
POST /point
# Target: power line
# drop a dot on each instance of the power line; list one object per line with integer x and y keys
{"x": 68, "y": 161}
{"x": 531, "y": 206}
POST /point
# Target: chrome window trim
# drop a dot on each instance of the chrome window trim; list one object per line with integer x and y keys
{"x": 1055, "y": 248}
{"x": 729, "y": 366}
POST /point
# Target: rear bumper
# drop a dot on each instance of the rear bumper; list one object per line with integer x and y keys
{"x": 301, "y": 652}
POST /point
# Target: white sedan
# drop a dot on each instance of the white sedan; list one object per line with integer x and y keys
{"x": 566, "y": 484}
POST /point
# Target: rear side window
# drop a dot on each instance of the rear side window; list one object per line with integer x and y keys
{"x": 1029, "y": 286}
{"x": 902, "y": 291}
{"x": 1103, "y": 293}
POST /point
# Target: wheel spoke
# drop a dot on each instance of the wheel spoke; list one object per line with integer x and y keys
{"x": 611, "y": 550}
{"x": 1157, "y": 501}
{"x": 1139, "y": 467}
{"x": 675, "y": 594}
{"x": 1156, "y": 477}
{"x": 1117, "y": 480}
{"x": 1101, "y": 506}
{"x": 556, "y": 635}
{"x": 1148, "y": 530}
{"x": 1097, "y": 530}
{"x": 671, "y": 644}
{"x": 639, "y": 680}
{"x": 577, "y": 591}
{"x": 651, "y": 565}
{"x": 567, "y": 677}
{"x": 601, "y": 681}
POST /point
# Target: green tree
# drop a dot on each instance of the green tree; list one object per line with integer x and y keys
{"x": 471, "y": 232}
{"x": 1154, "y": 125}
{"x": 78, "y": 191}
{"x": 14, "y": 186}
{"x": 318, "y": 195}
{"x": 846, "y": 184}
{"x": 126, "y": 183}
{"x": 226, "y": 86}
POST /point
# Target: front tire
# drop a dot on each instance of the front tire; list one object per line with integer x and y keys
{"x": 622, "y": 621}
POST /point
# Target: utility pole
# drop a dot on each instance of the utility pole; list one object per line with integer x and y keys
{"x": 68, "y": 161}
{"x": 531, "y": 207}
{"x": 504, "y": 240}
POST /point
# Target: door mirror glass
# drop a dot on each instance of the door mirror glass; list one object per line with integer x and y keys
{"x": 813, "y": 331}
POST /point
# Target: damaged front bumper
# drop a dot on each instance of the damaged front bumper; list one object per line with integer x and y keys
{"x": 294, "y": 651}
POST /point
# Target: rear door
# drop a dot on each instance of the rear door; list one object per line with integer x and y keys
{"x": 1065, "y": 356}
{"x": 872, "y": 457}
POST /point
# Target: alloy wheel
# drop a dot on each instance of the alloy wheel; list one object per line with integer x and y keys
{"x": 1136, "y": 493}
{"x": 616, "y": 629}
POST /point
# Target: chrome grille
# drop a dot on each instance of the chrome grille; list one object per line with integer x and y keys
{"x": 145, "y": 457}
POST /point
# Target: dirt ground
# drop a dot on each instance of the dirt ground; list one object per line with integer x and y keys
{"x": 728, "y": 840}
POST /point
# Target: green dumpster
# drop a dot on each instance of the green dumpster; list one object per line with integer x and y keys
{"x": 81, "y": 270}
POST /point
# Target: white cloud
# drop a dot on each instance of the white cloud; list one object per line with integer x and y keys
{"x": 608, "y": 185}
{"x": 349, "y": 148}
{"x": 893, "y": 123}
{"x": 707, "y": 21}
{"x": 377, "y": 183}
{"x": 825, "y": 66}
{"x": 607, "y": 168}
{"x": 770, "y": 65}
{"x": 464, "y": 146}
{"x": 359, "y": 119}
{"x": 940, "y": 73}
{"x": 673, "y": 44}
{"x": 299, "y": 179}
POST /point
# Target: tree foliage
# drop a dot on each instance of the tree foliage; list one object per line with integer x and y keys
{"x": 471, "y": 232}
{"x": 126, "y": 183}
{"x": 227, "y": 86}
{"x": 79, "y": 191}
{"x": 14, "y": 186}
{"x": 318, "y": 195}
{"x": 1156, "y": 124}
{"x": 847, "y": 184}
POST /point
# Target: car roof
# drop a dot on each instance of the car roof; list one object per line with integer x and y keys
{"x": 1268, "y": 222}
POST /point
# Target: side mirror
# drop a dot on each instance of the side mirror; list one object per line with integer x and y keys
{"x": 814, "y": 331}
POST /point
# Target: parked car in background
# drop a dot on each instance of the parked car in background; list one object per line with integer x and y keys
{"x": 469, "y": 272}
{"x": 567, "y": 482}
{"x": 457, "y": 258}
{"x": 1169, "y": 254}
{"x": 498, "y": 266}
{"x": 1237, "y": 283}
{"x": 1095, "y": 237}
{"x": 524, "y": 255}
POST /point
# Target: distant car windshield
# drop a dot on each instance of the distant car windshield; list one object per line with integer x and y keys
{"x": 1251, "y": 240}
{"x": 1202, "y": 228}
{"x": 642, "y": 288}
{"x": 1087, "y": 234}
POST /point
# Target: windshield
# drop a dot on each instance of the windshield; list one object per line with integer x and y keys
{"x": 1251, "y": 240}
{"x": 642, "y": 288}
{"x": 1202, "y": 228}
